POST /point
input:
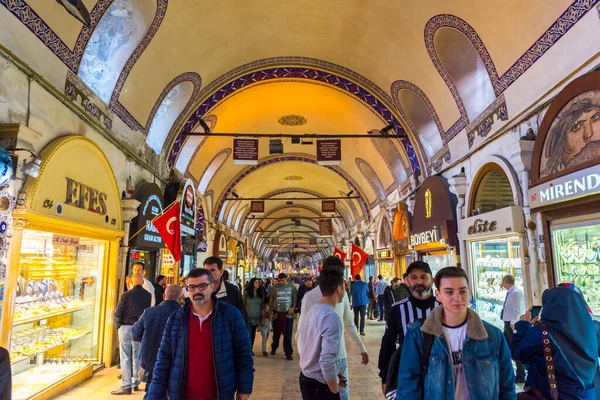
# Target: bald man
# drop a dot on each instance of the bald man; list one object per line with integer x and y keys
{"x": 131, "y": 306}
{"x": 149, "y": 329}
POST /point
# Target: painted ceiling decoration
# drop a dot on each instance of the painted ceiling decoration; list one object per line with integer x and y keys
{"x": 292, "y": 120}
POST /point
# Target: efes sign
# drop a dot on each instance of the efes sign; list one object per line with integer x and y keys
{"x": 578, "y": 184}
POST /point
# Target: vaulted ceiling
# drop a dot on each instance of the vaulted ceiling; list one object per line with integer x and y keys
{"x": 273, "y": 67}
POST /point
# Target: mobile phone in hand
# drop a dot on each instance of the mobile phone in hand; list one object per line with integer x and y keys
{"x": 535, "y": 311}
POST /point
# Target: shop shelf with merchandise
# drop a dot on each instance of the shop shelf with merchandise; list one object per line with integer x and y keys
{"x": 46, "y": 348}
{"x": 42, "y": 317}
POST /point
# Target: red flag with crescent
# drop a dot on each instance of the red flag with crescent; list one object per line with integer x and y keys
{"x": 359, "y": 258}
{"x": 339, "y": 254}
{"x": 168, "y": 225}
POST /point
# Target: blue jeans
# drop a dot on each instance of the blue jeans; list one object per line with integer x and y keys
{"x": 343, "y": 368}
{"x": 126, "y": 345}
{"x": 381, "y": 306}
{"x": 360, "y": 310}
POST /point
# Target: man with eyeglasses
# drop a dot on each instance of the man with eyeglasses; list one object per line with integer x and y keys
{"x": 205, "y": 351}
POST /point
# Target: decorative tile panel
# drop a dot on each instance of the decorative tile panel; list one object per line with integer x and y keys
{"x": 483, "y": 124}
{"x": 79, "y": 93}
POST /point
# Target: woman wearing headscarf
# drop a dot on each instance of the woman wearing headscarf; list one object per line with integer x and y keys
{"x": 573, "y": 343}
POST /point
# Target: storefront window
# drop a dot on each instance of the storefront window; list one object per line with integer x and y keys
{"x": 493, "y": 259}
{"x": 386, "y": 268}
{"x": 438, "y": 261}
{"x": 576, "y": 249}
{"x": 57, "y": 310}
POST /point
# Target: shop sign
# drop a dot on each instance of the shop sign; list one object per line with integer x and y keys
{"x": 188, "y": 208}
{"x": 328, "y": 206}
{"x": 65, "y": 240}
{"x": 257, "y": 206}
{"x": 149, "y": 195}
{"x": 429, "y": 236}
{"x": 325, "y": 227}
{"x": 493, "y": 223}
{"x": 582, "y": 183}
{"x": 385, "y": 253}
{"x": 245, "y": 151}
{"x": 329, "y": 152}
{"x": 67, "y": 188}
{"x": 231, "y": 253}
{"x": 85, "y": 197}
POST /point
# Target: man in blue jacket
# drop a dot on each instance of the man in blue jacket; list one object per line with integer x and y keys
{"x": 359, "y": 292}
{"x": 150, "y": 327}
{"x": 468, "y": 358}
{"x": 205, "y": 351}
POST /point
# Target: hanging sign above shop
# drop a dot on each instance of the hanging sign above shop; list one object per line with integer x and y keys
{"x": 186, "y": 194}
{"x": 329, "y": 152}
{"x": 494, "y": 223}
{"x": 257, "y": 206}
{"x": 245, "y": 151}
{"x": 384, "y": 254}
{"x": 568, "y": 187}
{"x": 150, "y": 197}
{"x": 325, "y": 227}
{"x": 328, "y": 206}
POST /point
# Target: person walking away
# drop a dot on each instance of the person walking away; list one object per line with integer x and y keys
{"x": 360, "y": 299}
{"x": 459, "y": 346}
{"x": 254, "y": 299}
{"x": 139, "y": 268}
{"x": 345, "y": 313}
{"x": 205, "y": 350}
{"x": 402, "y": 314}
{"x": 401, "y": 291}
{"x": 572, "y": 340}
{"x": 224, "y": 290}
{"x": 5, "y": 375}
{"x": 131, "y": 306}
{"x": 514, "y": 307}
{"x": 307, "y": 287}
{"x": 282, "y": 302}
{"x": 372, "y": 300}
{"x": 388, "y": 295}
{"x": 150, "y": 327}
{"x": 319, "y": 340}
{"x": 159, "y": 289}
{"x": 380, "y": 287}
{"x": 264, "y": 328}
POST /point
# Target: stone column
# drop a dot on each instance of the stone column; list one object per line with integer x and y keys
{"x": 458, "y": 186}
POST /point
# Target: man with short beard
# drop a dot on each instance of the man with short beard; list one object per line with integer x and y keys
{"x": 205, "y": 351}
{"x": 404, "y": 312}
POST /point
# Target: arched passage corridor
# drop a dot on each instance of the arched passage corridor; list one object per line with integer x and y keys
{"x": 274, "y": 135}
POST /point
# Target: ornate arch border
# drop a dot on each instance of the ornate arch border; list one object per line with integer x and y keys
{"x": 305, "y": 68}
{"x": 360, "y": 163}
{"x": 226, "y": 150}
{"x": 300, "y": 158}
{"x": 499, "y": 83}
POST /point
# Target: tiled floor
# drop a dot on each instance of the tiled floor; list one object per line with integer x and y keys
{"x": 275, "y": 377}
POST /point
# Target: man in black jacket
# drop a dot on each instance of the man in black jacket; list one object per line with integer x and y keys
{"x": 404, "y": 312}
{"x": 159, "y": 289}
{"x": 131, "y": 306}
{"x": 225, "y": 291}
{"x": 5, "y": 375}
{"x": 149, "y": 329}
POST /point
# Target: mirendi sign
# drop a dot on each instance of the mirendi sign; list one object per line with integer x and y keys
{"x": 578, "y": 184}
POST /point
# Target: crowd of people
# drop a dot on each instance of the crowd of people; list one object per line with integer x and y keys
{"x": 195, "y": 340}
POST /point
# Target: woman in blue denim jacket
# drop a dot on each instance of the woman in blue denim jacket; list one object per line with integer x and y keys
{"x": 485, "y": 357}
{"x": 574, "y": 345}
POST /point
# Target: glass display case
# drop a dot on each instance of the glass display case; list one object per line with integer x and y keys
{"x": 386, "y": 269}
{"x": 576, "y": 253}
{"x": 438, "y": 261}
{"x": 57, "y": 310}
{"x": 492, "y": 259}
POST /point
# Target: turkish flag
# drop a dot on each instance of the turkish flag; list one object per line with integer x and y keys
{"x": 168, "y": 225}
{"x": 359, "y": 258}
{"x": 339, "y": 254}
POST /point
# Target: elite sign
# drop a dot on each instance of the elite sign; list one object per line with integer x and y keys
{"x": 578, "y": 184}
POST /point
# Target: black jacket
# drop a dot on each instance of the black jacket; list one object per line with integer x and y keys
{"x": 301, "y": 292}
{"x": 159, "y": 291}
{"x": 131, "y": 306}
{"x": 234, "y": 297}
{"x": 5, "y": 375}
{"x": 149, "y": 330}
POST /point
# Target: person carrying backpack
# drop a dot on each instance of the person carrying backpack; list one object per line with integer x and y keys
{"x": 468, "y": 358}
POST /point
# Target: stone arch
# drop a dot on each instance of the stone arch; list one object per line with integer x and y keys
{"x": 213, "y": 167}
{"x": 371, "y": 177}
